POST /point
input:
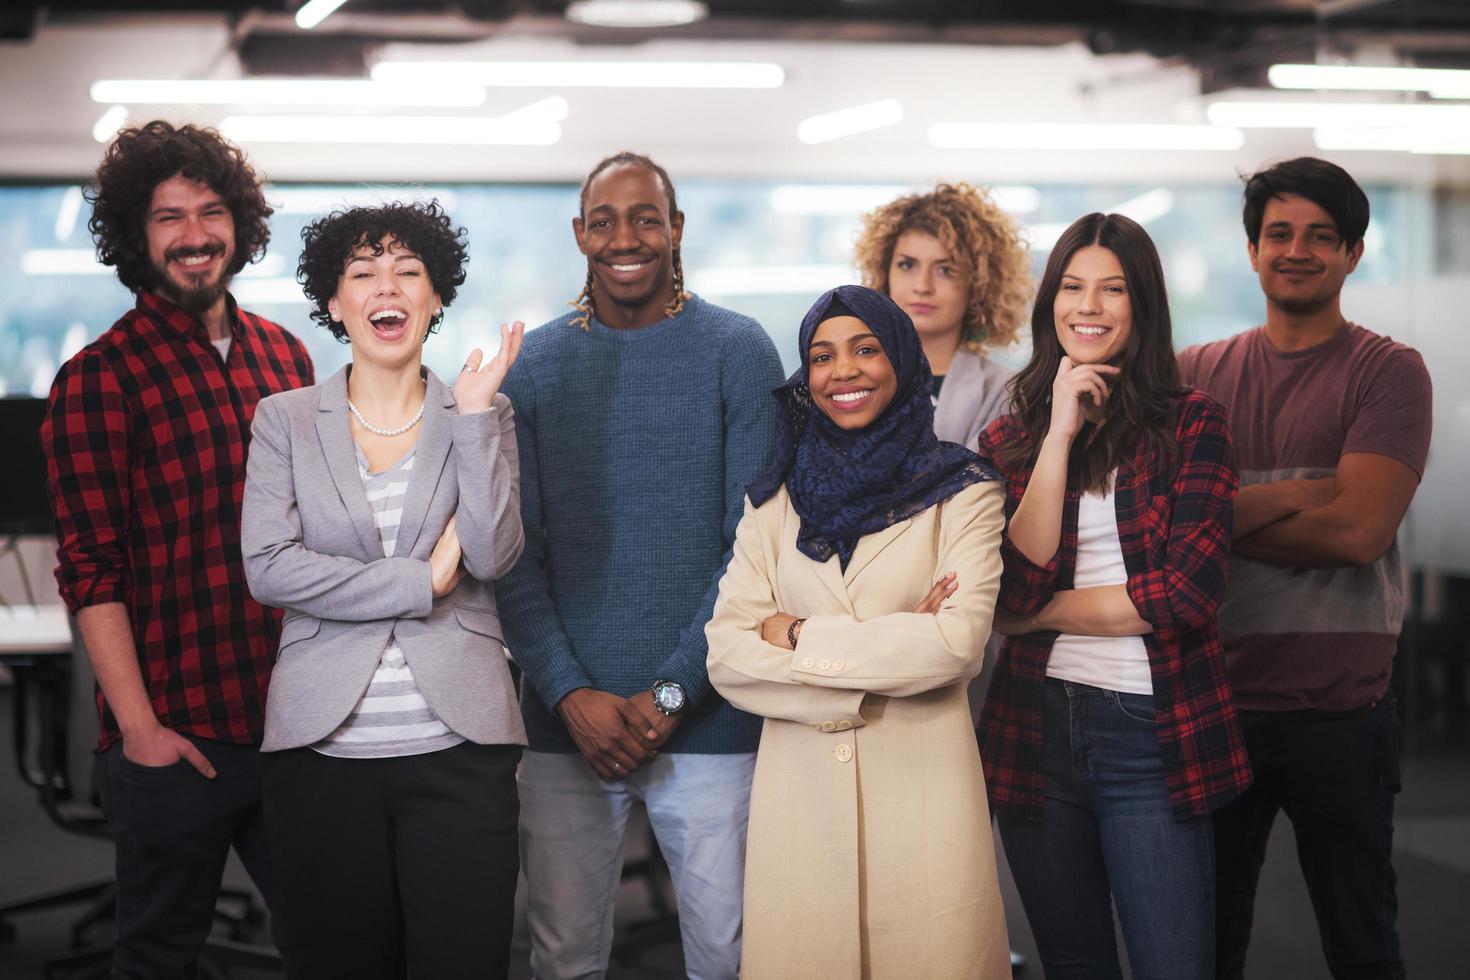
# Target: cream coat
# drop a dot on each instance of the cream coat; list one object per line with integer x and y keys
{"x": 870, "y": 851}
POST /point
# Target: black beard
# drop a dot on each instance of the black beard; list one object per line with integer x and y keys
{"x": 196, "y": 300}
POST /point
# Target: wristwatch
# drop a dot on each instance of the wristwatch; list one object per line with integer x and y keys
{"x": 668, "y": 697}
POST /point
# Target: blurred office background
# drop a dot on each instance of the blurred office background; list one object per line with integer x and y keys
{"x": 780, "y": 122}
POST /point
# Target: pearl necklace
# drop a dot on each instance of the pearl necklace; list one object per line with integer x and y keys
{"x": 386, "y": 432}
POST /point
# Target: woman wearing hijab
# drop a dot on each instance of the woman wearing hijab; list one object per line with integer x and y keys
{"x": 869, "y": 851}
{"x": 1108, "y": 731}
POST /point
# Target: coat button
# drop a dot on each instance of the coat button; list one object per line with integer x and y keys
{"x": 824, "y": 664}
{"x": 808, "y": 663}
{"x": 829, "y": 726}
{"x": 839, "y": 665}
{"x": 844, "y": 752}
{"x": 844, "y": 725}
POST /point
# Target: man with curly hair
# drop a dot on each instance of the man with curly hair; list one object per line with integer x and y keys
{"x": 146, "y": 435}
{"x": 640, "y": 419}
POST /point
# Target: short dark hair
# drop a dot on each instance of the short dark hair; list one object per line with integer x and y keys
{"x": 145, "y": 156}
{"x": 423, "y": 229}
{"x": 629, "y": 158}
{"x": 1324, "y": 184}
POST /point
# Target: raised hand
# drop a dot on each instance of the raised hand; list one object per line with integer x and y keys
{"x": 1077, "y": 390}
{"x": 942, "y": 589}
{"x": 476, "y": 386}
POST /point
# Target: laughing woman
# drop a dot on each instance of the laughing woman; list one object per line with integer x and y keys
{"x": 379, "y": 506}
{"x": 1108, "y": 731}
{"x": 869, "y": 851}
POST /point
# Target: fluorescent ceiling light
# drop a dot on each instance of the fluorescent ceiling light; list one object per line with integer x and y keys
{"x": 636, "y": 13}
{"x": 287, "y": 91}
{"x": 1148, "y": 206}
{"x": 771, "y": 280}
{"x": 853, "y": 199}
{"x": 1082, "y": 136}
{"x": 442, "y": 130}
{"x": 107, "y": 125}
{"x": 829, "y": 126}
{"x": 313, "y": 12}
{"x": 1438, "y": 142}
{"x": 67, "y": 213}
{"x": 1310, "y": 115}
{"x": 1447, "y": 83}
{"x": 313, "y": 200}
{"x": 62, "y": 262}
{"x": 586, "y": 74}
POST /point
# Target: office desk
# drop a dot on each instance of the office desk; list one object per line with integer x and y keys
{"x": 36, "y": 644}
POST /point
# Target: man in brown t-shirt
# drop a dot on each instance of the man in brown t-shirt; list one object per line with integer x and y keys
{"x": 1331, "y": 427}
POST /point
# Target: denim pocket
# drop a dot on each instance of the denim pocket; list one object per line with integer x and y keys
{"x": 1138, "y": 707}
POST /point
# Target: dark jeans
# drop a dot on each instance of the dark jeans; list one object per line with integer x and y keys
{"x": 1108, "y": 832}
{"x": 392, "y": 866}
{"x": 173, "y": 830}
{"x": 1335, "y": 776}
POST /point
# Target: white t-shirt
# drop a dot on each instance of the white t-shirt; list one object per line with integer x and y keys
{"x": 1113, "y": 663}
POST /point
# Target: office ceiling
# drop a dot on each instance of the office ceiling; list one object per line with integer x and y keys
{"x": 1102, "y": 60}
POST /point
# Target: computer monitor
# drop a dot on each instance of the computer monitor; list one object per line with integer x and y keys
{"x": 24, "y": 505}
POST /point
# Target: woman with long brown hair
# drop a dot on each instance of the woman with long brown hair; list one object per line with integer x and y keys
{"x": 1108, "y": 732}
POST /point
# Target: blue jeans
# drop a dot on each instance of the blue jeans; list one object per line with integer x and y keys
{"x": 1108, "y": 831}
{"x": 1335, "y": 776}
{"x": 572, "y": 826}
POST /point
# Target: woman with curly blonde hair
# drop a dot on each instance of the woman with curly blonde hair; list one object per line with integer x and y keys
{"x": 956, "y": 264}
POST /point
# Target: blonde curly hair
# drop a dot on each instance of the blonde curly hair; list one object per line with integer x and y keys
{"x": 983, "y": 241}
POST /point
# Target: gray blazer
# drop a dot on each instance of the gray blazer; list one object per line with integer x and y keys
{"x": 311, "y": 548}
{"x": 974, "y": 395}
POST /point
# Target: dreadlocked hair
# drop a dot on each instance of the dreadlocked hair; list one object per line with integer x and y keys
{"x": 583, "y": 303}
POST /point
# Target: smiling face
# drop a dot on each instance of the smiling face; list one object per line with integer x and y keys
{"x": 386, "y": 302}
{"x": 1300, "y": 258}
{"x": 851, "y": 379}
{"x": 629, "y": 238}
{"x": 191, "y": 243}
{"x": 1094, "y": 316}
{"x": 924, "y": 279}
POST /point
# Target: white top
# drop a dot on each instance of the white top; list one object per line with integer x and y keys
{"x": 392, "y": 718}
{"x": 1113, "y": 663}
{"x": 223, "y": 346}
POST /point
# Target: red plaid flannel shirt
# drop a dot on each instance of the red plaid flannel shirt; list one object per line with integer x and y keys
{"x": 145, "y": 438}
{"x": 1175, "y": 537}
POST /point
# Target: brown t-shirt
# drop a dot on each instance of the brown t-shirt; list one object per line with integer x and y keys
{"x": 1323, "y": 637}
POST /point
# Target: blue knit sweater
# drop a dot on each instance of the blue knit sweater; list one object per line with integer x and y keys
{"x": 635, "y": 450}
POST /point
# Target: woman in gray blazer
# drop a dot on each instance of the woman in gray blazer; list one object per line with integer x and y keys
{"x": 379, "y": 506}
{"x": 955, "y": 262}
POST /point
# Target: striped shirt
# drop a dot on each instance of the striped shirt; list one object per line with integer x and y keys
{"x": 392, "y": 718}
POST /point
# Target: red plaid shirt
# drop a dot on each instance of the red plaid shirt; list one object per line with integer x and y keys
{"x": 1175, "y": 537}
{"x": 145, "y": 438}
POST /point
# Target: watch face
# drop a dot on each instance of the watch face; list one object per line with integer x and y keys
{"x": 668, "y": 697}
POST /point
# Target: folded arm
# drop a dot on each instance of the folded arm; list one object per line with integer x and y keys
{"x": 1356, "y": 526}
{"x": 281, "y": 571}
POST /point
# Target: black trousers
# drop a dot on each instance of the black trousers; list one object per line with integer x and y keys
{"x": 395, "y": 866}
{"x": 1334, "y": 776}
{"x": 173, "y": 830}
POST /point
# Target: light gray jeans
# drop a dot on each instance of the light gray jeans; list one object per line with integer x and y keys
{"x": 572, "y": 827}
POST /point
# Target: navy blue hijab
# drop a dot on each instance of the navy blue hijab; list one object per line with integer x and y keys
{"x": 845, "y": 484}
